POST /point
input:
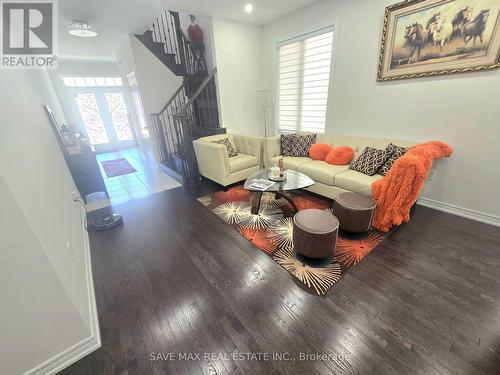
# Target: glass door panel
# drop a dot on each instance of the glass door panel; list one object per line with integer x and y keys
{"x": 92, "y": 119}
{"x": 119, "y": 116}
{"x": 104, "y": 116}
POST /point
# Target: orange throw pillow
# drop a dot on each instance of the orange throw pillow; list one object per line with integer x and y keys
{"x": 318, "y": 151}
{"x": 341, "y": 155}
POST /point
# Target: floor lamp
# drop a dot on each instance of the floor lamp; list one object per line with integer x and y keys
{"x": 265, "y": 105}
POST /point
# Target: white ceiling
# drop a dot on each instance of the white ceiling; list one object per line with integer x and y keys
{"x": 115, "y": 19}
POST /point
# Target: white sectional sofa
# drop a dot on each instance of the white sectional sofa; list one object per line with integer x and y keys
{"x": 215, "y": 164}
{"x": 331, "y": 179}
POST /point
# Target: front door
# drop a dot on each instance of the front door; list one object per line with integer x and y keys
{"x": 104, "y": 117}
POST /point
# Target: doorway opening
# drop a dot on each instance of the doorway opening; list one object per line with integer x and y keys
{"x": 102, "y": 110}
{"x": 123, "y": 149}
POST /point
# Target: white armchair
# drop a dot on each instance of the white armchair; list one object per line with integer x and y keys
{"x": 215, "y": 164}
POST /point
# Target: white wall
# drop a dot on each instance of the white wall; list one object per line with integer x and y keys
{"x": 238, "y": 56}
{"x": 156, "y": 83}
{"x": 461, "y": 110}
{"x": 38, "y": 185}
{"x": 37, "y": 318}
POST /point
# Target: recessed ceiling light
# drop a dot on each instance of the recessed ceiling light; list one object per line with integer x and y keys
{"x": 81, "y": 28}
{"x": 248, "y": 8}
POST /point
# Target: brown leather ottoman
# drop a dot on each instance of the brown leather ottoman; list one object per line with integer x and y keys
{"x": 354, "y": 211}
{"x": 315, "y": 236}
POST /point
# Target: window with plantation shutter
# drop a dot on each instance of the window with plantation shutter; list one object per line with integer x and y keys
{"x": 304, "y": 67}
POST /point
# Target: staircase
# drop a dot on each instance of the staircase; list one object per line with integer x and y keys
{"x": 192, "y": 111}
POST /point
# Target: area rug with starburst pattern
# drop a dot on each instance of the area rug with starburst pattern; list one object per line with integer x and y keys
{"x": 272, "y": 231}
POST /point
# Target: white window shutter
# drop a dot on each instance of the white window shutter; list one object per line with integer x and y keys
{"x": 304, "y": 67}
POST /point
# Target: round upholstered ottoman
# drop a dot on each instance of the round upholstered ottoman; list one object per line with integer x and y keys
{"x": 315, "y": 236}
{"x": 354, "y": 211}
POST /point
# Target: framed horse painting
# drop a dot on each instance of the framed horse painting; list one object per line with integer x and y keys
{"x": 433, "y": 37}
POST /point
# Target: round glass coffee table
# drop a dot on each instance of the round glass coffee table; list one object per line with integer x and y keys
{"x": 294, "y": 181}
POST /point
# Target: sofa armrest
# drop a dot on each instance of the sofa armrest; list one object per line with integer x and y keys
{"x": 271, "y": 149}
{"x": 249, "y": 145}
{"x": 213, "y": 160}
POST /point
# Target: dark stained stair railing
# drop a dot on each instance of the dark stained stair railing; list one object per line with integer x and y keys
{"x": 192, "y": 111}
{"x": 183, "y": 119}
{"x": 201, "y": 111}
{"x": 162, "y": 40}
{"x": 168, "y": 42}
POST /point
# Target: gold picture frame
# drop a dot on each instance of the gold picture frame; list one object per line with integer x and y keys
{"x": 423, "y": 38}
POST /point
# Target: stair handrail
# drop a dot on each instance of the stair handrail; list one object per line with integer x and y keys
{"x": 181, "y": 32}
{"x": 197, "y": 93}
{"x": 163, "y": 33}
{"x": 172, "y": 98}
{"x": 166, "y": 30}
{"x": 185, "y": 37}
{"x": 181, "y": 40}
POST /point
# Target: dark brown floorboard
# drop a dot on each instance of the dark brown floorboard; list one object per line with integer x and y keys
{"x": 176, "y": 279}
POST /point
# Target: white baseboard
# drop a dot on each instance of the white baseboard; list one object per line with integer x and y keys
{"x": 87, "y": 345}
{"x": 460, "y": 211}
{"x": 68, "y": 357}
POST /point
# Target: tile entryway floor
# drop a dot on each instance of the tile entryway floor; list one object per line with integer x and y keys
{"x": 147, "y": 180}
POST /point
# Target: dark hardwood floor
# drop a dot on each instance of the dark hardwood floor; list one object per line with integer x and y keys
{"x": 177, "y": 279}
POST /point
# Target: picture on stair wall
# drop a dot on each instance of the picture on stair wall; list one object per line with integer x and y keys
{"x": 434, "y": 37}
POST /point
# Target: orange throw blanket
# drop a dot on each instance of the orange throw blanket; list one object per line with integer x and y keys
{"x": 399, "y": 190}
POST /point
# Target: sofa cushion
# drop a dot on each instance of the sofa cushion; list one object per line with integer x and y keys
{"x": 297, "y": 145}
{"x": 318, "y": 151}
{"x": 231, "y": 149}
{"x": 398, "y": 152}
{"x": 242, "y": 161}
{"x": 341, "y": 155}
{"x": 321, "y": 171}
{"x": 359, "y": 143}
{"x": 371, "y": 160}
{"x": 356, "y": 181}
{"x": 289, "y": 162}
{"x": 287, "y": 141}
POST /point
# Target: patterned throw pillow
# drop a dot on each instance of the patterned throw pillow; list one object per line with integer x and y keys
{"x": 398, "y": 152}
{"x": 370, "y": 160}
{"x": 286, "y": 143}
{"x": 297, "y": 145}
{"x": 303, "y": 143}
{"x": 231, "y": 150}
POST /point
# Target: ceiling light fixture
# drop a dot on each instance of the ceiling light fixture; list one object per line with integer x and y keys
{"x": 248, "y": 8}
{"x": 81, "y": 28}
